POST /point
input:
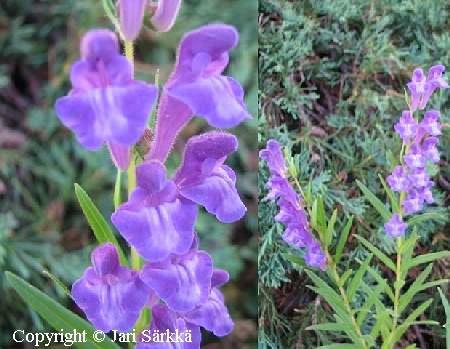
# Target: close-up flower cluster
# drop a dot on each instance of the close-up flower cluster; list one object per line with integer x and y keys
{"x": 291, "y": 211}
{"x": 411, "y": 179}
{"x": 176, "y": 281}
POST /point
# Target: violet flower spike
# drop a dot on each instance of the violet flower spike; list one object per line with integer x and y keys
{"x": 112, "y": 296}
{"x": 197, "y": 87}
{"x": 106, "y": 104}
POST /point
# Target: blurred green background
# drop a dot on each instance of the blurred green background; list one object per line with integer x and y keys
{"x": 41, "y": 224}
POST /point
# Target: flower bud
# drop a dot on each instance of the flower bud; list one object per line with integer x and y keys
{"x": 131, "y": 14}
{"x": 165, "y": 14}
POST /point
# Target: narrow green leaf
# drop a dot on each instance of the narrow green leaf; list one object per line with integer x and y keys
{"x": 308, "y": 194}
{"x": 59, "y": 283}
{"x": 424, "y": 259}
{"x": 390, "y": 193}
{"x": 313, "y": 219}
{"x": 117, "y": 188}
{"x": 333, "y": 298}
{"x": 370, "y": 301}
{"x": 413, "y": 289}
{"x": 343, "y": 240}
{"x": 382, "y": 319}
{"x": 321, "y": 217}
{"x": 392, "y": 162}
{"x": 56, "y": 315}
{"x": 424, "y": 217}
{"x": 329, "y": 231}
{"x": 410, "y": 319}
{"x": 375, "y": 202}
{"x": 99, "y": 226}
{"x": 344, "y": 277}
{"x": 385, "y": 259}
{"x": 295, "y": 259}
{"x": 447, "y": 314}
{"x": 376, "y": 275}
{"x": 331, "y": 326}
{"x": 357, "y": 279}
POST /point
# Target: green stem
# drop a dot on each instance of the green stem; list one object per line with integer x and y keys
{"x": 337, "y": 279}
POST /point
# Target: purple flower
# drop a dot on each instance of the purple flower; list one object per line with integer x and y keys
{"x": 419, "y": 177}
{"x": 181, "y": 281}
{"x": 430, "y": 124}
{"x": 315, "y": 257}
{"x": 425, "y": 192}
{"x": 112, "y": 296}
{"x": 165, "y": 14}
{"x": 169, "y": 330}
{"x": 198, "y": 88}
{"x": 430, "y": 150}
{"x": 415, "y": 158}
{"x": 406, "y": 127}
{"x": 434, "y": 81}
{"x": 274, "y": 158}
{"x": 131, "y": 14}
{"x": 398, "y": 180}
{"x": 290, "y": 213}
{"x": 298, "y": 235}
{"x": 413, "y": 202}
{"x": 417, "y": 87}
{"x": 156, "y": 220}
{"x": 204, "y": 179}
{"x": 106, "y": 104}
{"x": 159, "y": 217}
{"x": 395, "y": 227}
{"x": 213, "y": 314}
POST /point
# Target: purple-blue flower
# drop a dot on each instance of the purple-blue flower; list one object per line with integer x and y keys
{"x": 198, "y": 88}
{"x": 105, "y": 104}
{"x": 274, "y": 158}
{"x": 415, "y": 158}
{"x": 159, "y": 217}
{"x": 430, "y": 124}
{"x": 406, "y": 127}
{"x": 398, "y": 180}
{"x": 181, "y": 281}
{"x": 213, "y": 314}
{"x": 112, "y": 296}
{"x": 429, "y": 149}
{"x": 165, "y": 14}
{"x": 315, "y": 257}
{"x": 417, "y": 87}
{"x": 419, "y": 178}
{"x": 395, "y": 227}
{"x": 413, "y": 202}
{"x": 156, "y": 220}
{"x": 434, "y": 81}
{"x": 204, "y": 179}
